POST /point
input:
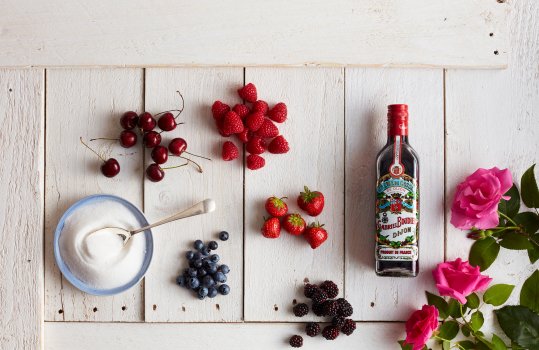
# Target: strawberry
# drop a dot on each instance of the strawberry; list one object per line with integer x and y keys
{"x": 245, "y": 135}
{"x": 241, "y": 110}
{"x": 278, "y": 145}
{"x": 230, "y": 151}
{"x": 271, "y": 228}
{"x": 248, "y": 93}
{"x": 294, "y": 224}
{"x": 232, "y": 123}
{"x": 260, "y": 106}
{"x": 276, "y": 207}
{"x": 316, "y": 235}
{"x": 255, "y": 162}
{"x": 219, "y": 109}
{"x": 268, "y": 129}
{"x": 256, "y": 145}
{"x": 278, "y": 113}
{"x": 254, "y": 121}
{"x": 311, "y": 202}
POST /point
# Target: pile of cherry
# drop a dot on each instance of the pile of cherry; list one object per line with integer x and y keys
{"x": 254, "y": 126}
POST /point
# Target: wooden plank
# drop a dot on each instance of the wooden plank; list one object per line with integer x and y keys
{"x": 21, "y": 209}
{"x": 87, "y": 103}
{"x": 315, "y": 130}
{"x": 492, "y": 121}
{"x": 222, "y": 181}
{"x": 445, "y": 33}
{"x": 368, "y": 92}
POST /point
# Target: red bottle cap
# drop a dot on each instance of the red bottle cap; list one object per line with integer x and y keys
{"x": 397, "y": 120}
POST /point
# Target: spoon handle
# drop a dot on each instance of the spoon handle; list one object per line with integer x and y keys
{"x": 206, "y": 206}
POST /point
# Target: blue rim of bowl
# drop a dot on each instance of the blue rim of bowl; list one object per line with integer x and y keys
{"x": 65, "y": 269}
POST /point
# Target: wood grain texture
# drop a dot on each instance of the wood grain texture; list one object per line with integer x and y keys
{"x": 445, "y": 33}
{"x": 492, "y": 120}
{"x": 368, "y": 92}
{"x": 21, "y": 209}
{"x": 182, "y": 187}
{"x": 88, "y": 103}
{"x": 314, "y": 130}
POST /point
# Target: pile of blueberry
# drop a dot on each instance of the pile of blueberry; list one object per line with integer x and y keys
{"x": 205, "y": 276}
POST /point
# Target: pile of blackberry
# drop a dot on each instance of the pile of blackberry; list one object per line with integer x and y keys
{"x": 205, "y": 276}
{"x": 324, "y": 303}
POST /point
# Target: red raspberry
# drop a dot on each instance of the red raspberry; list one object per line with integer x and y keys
{"x": 219, "y": 109}
{"x": 219, "y": 124}
{"x": 267, "y": 130}
{"x": 260, "y": 106}
{"x": 255, "y": 162}
{"x": 245, "y": 135}
{"x": 230, "y": 151}
{"x": 248, "y": 93}
{"x": 278, "y": 113}
{"x": 242, "y": 110}
{"x": 278, "y": 145}
{"x": 256, "y": 145}
{"x": 254, "y": 121}
{"x": 232, "y": 123}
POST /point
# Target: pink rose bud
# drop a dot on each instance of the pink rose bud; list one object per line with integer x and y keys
{"x": 420, "y": 326}
{"x": 458, "y": 279}
{"x": 476, "y": 200}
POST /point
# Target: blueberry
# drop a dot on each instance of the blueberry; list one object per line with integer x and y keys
{"x": 212, "y": 292}
{"x": 211, "y": 269}
{"x": 197, "y": 264}
{"x": 219, "y": 277}
{"x": 207, "y": 263}
{"x": 201, "y": 272}
{"x": 223, "y": 235}
{"x": 192, "y": 272}
{"x": 205, "y": 251}
{"x": 193, "y": 283}
{"x": 214, "y": 258}
{"x": 213, "y": 245}
{"x": 201, "y": 297}
{"x": 224, "y": 289}
{"x": 181, "y": 280}
{"x": 207, "y": 281}
{"x": 224, "y": 269}
{"x": 202, "y": 292}
{"x": 198, "y": 244}
{"x": 197, "y": 256}
{"x": 190, "y": 255}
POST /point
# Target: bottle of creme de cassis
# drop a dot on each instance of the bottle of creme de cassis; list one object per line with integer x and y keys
{"x": 397, "y": 200}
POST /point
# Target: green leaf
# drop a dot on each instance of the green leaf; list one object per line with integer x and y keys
{"x": 466, "y": 330}
{"x": 454, "y": 309}
{"x": 510, "y": 207}
{"x": 529, "y": 294}
{"x": 515, "y": 241}
{"x": 533, "y": 253}
{"x": 529, "y": 221}
{"x": 483, "y": 253}
{"x": 498, "y": 294}
{"x": 477, "y": 320}
{"x": 448, "y": 330}
{"x": 472, "y": 301}
{"x": 439, "y": 303}
{"x": 405, "y": 347}
{"x": 446, "y": 345}
{"x": 466, "y": 344}
{"x": 498, "y": 343}
{"x": 520, "y": 324}
{"x": 530, "y": 192}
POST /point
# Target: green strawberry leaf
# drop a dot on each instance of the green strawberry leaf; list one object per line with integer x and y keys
{"x": 511, "y": 206}
{"x": 529, "y": 294}
{"x": 484, "y": 252}
{"x": 520, "y": 324}
{"x": 498, "y": 294}
{"x": 530, "y": 192}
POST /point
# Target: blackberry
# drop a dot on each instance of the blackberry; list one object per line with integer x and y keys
{"x": 330, "y": 308}
{"x": 345, "y": 309}
{"x": 319, "y": 296}
{"x": 296, "y": 341}
{"x": 301, "y": 310}
{"x": 349, "y": 327}
{"x": 338, "y": 321}
{"x": 318, "y": 309}
{"x": 330, "y": 288}
{"x": 330, "y": 332}
{"x": 312, "y": 329}
{"x": 309, "y": 290}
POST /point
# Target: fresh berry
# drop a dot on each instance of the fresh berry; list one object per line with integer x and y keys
{"x": 219, "y": 109}
{"x": 316, "y": 235}
{"x": 214, "y": 258}
{"x": 319, "y": 297}
{"x": 245, "y": 135}
{"x": 212, "y": 292}
{"x": 110, "y": 168}
{"x": 205, "y": 251}
{"x": 230, "y": 151}
{"x": 224, "y": 269}
{"x": 331, "y": 307}
{"x": 345, "y": 309}
{"x": 271, "y": 228}
{"x": 160, "y": 154}
{"x": 318, "y": 309}
{"x": 181, "y": 280}
{"x": 276, "y": 206}
{"x": 254, "y": 121}
{"x": 190, "y": 255}
{"x": 330, "y": 332}
{"x": 255, "y": 162}
{"x": 192, "y": 272}
{"x": 220, "y": 128}
{"x": 223, "y": 236}
{"x": 311, "y": 202}
{"x": 167, "y": 122}
{"x": 248, "y": 93}
{"x": 256, "y": 145}
{"x": 309, "y": 290}
{"x": 242, "y": 110}
{"x": 128, "y": 138}
{"x": 219, "y": 277}
{"x": 278, "y": 113}
{"x": 197, "y": 256}
{"x": 260, "y": 106}
{"x": 198, "y": 245}
{"x": 151, "y": 139}
{"x": 331, "y": 289}
{"x": 279, "y": 145}
{"x": 197, "y": 264}
{"x": 213, "y": 245}
{"x": 193, "y": 282}
{"x": 267, "y": 130}
{"x": 201, "y": 273}
{"x": 294, "y": 224}
{"x": 146, "y": 122}
{"x": 177, "y": 146}
{"x": 202, "y": 292}
{"x": 338, "y": 321}
{"x": 301, "y": 310}
{"x": 224, "y": 289}
{"x": 129, "y": 120}
{"x": 296, "y": 341}
{"x": 211, "y": 269}
{"x": 232, "y": 123}
{"x": 207, "y": 281}
{"x": 312, "y": 329}
{"x": 349, "y": 327}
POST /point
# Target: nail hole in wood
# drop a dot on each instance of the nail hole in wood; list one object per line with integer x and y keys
{"x": 10, "y": 90}
{"x": 491, "y": 34}
{"x": 28, "y": 260}
{"x": 372, "y": 304}
{"x": 183, "y": 308}
{"x": 124, "y": 308}
{"x": 275, "y": 307}
{"x": 154, "y": 307}
{"x": 501, "y": 1}
{"x": 496, "y": 52}
{"x": 60, "y": 311}
{"x": 95, "y": 309}
{"x": 306, "y": 280}
{"x": 294, "y": 301}
{"x": 217, "y": 307}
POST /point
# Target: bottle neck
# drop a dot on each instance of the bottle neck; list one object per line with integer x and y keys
{"x": 397, "y": 126}
{"x": 391, "y": 139}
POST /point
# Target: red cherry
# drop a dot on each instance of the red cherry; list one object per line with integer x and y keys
{"x": 110, "y": 167}
{"x": 146, "y": 122}
{"x": 160, "y": 154}
{"x": 129, "y": 120}
{"x": 155, "y": 173}
{"x": 128, "y": 138}
{"x": 151, "y": 139}
{"x": 167, "y": 122}
{"x": 177, "y": 146}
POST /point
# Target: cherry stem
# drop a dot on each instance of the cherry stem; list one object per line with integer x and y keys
{"x": 174, "y": 167}
{"x": 97, "y": 154}
{"x": 183, "y": 105}
{"x": 104, "y": 138}
{"x": 196, "y": 155}
{"x": 172, "y": 110}
{"x": 192, "y": 161}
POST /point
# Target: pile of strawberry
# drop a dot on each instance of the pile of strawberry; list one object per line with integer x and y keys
{"x": 312, "y": 202}
{"x": 254, "y": 126}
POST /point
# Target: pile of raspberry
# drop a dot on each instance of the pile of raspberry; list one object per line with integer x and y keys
{"x": 325, "y": 304}
{"x": 253, "y": 124}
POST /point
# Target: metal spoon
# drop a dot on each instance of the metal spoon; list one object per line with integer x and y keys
{"x": 206, "y": 206}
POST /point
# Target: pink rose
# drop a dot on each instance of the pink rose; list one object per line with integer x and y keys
{"x": 477, "y": 198}
{"x": 420, "y": 326}
{"x": 458, "y": 279}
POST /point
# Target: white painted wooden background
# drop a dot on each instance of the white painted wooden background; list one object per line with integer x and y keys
{"x": 460, "y": 120}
